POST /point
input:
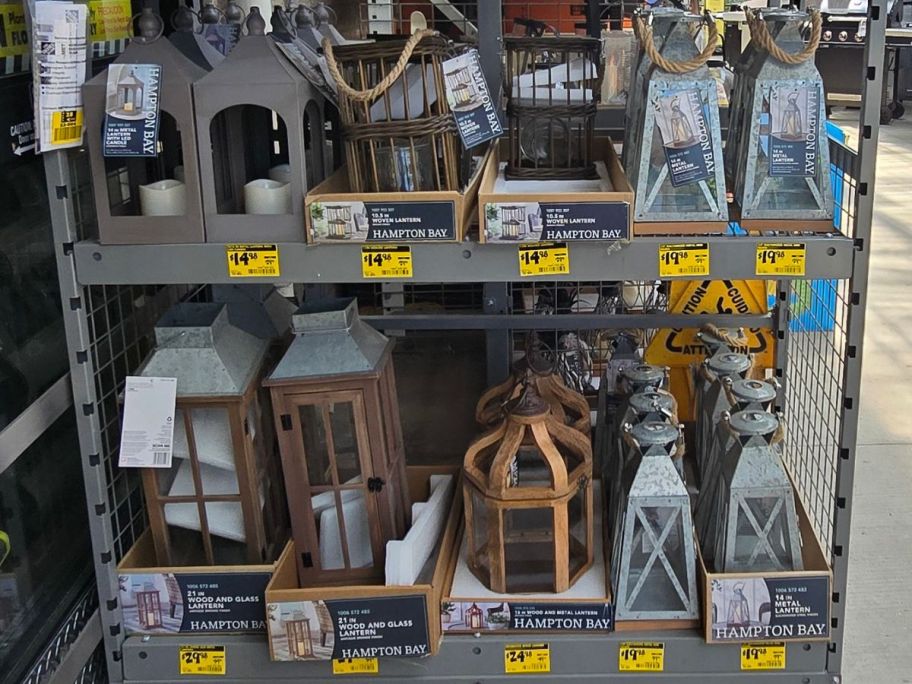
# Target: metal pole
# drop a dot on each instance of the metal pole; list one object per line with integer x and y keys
{"x": 497, "y": 342}
{"x": 490, "y": 44}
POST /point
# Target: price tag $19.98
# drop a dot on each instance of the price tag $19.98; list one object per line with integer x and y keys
{"x": 763, "y": 656}
{"x": 691, "y": 259}
{"x": 641, "y": 657}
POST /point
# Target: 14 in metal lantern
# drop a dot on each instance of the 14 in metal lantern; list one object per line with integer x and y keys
{"x": 147, "y": 200}
{"x": 221, "y": 501}
{"x": 337, "y": 416}
{"x": 260, "y": 132}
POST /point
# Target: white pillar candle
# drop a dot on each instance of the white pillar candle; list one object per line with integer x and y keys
{"x": 266, "y": 196}
{"x": 281, "y": 173}
{"x": 163, "y": 198}
{"x": 179, "y": 173}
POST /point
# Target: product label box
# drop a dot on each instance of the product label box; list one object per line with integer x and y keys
{"x": 461, "y": 616}
{"x": 558, "y": 221}
{"x": 383, "y": 221}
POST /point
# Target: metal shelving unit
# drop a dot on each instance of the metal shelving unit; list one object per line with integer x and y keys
{"x": 113, "y": 295}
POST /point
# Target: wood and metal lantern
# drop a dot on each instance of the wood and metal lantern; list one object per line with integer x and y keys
{"x": 260, "y": 141}
{"x": 528, "y": 498}
{"x": 337, "y": 416}
{"x": 299, "y": 641}
{"x": 653, "y": 566}
{"x": 552, "y": 85}
{"x": 474, "y": 617}
{"x": 148, "y": 607}
{"x": 147, "y": 199}
{"x": 221, "y": 500}
{"x": 400, "y": 135}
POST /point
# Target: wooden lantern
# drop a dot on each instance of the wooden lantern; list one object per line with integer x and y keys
{"x": 148, "y": 607}
{"x": 474, "y": 617}
{"x": 221, "y": 500}
{"x": 337, "y": 415}
{"x": 528, "y": 499}
{"x": 299, "y": 643}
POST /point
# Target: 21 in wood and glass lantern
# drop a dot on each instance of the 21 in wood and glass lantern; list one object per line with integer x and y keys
{"x": 528, "y": 499}
{"x": 148, "y": 607}
{"x": 299, "y": 640}
{"x": 337, "y": 416}
{"x": 221, "y": 501}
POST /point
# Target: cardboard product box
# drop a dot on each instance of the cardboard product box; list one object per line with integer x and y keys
{"x": 511, "y": 212}
{"x": 370, "y": 620}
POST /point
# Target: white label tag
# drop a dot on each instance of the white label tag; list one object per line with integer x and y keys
{"x": 148, "y": 424}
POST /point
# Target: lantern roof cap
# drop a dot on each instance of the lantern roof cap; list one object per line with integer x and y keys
{"x": 654, "y": 433}
{"x": 729, "y": 363}
{"x": 256, "y": 59}
{"x": 651, "y": 399}
{"x": 752, "y": 391}
{"x": 197, "y": 344}
{"x": 754, "y": 422}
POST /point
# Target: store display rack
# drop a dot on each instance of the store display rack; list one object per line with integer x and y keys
{"x": 112, "y": 297}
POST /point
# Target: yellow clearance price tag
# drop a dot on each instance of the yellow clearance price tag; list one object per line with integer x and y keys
{"x": 641, "y": 656}
{"x": 393, "y": 261}
{"x": 686, "y": 259}
{"x": 253, "y": 261}
{"x": 763, "y": 656}
{"x": 786, "y": 259}
{"x": 356, "y": 666}
{"x": 66, "y": 126}
{"x": 202, "y": 660}
{"x": 527, "y": 659}
{"x": 544, "y": 258}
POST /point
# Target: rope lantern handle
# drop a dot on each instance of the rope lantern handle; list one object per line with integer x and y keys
{"x": 760, "y": 33}
{"x": 644, "y": 32}
{"x": 387, "y": 81}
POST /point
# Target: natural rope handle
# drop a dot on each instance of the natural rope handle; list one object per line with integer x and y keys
{"x": 644, "y": 32}
{"x": 760, "y": 33}
{"x": 722, "y": 335}
{"x": 388, "y": 80}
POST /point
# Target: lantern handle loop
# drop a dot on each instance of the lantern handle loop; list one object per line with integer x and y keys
{"x": 644, "y": 32}
{"x": 760, "y": 33}
{"x": 385, "y": 83}
{"x": 141, "y": 38}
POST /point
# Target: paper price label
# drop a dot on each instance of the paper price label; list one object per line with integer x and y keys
{"x": 394, "y": 261}
{"x": 344, "y": 666}
{"x": 253, "y": 261}
{"x": 527, "y": 659}
{"x": 146, "y": 438}
{"x": 202, "y": 660}
{"x": 785, "y": 259}
{"x": 637, "y": 656}
{"x": 66, "y": 126}
{"x": 544, "y": 258}
{"x": 690, "y": 259}
{"x": 763, "y": 656}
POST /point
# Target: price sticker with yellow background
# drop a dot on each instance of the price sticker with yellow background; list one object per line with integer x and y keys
{"x": 641, "y": 656}
{"x": 763, "y": 656}
{"x": 527, "y": 659}
{"x": 544, "y": 258}
{"x": 344, "y": 666}
{"x": 785, "y": 259}
{"x": 109, "y": 20}
{"x": 253, "y": 260}
{"x": 202, "y": 660}
{"x": 386, "y": 261}
{"x": 685, "y": 259}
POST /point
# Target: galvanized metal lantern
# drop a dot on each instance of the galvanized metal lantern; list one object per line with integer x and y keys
{"x": 260, "y": 132}
{"x": 552, "y": 85}
{"x": 777, "y": 147}
{"x": 221, "y": 501}
{"x": 653, "y": 564}
{"x": 337, "y": 416}
{"x": 148, "y": 200}
{"x": 528, "y": 499}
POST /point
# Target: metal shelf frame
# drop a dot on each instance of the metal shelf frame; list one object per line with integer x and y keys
{"x": 112, "y": 296}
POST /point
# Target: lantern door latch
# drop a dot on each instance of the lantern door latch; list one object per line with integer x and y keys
{"x": 375, "y": 484}
{"x": 286, "y": 421}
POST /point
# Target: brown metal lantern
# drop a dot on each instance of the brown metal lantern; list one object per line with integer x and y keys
{"x": 337, "y": 416}
{"x": 221, "y": 500}
{"x": 528, "y": 499}
{"x": 400, "y": 135}
{"x": 552, "y": 85}
{"x": 126, "y": 188}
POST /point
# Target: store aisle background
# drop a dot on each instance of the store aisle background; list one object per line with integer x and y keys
{"x": 879, "y": 605}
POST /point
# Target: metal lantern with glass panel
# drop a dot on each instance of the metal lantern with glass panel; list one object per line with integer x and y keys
{"x": 552, "y": 85}
{"x": 260, "y": 141}
{"x": 653, "y": 565}
{"x": 221, "y": 501}
{"x": 528, "y": 499}
{"x": 337, "y": 415}
{"x": 147, "y": 200}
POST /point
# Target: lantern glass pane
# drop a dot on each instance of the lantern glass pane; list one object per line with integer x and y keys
{"x": 345, "y": 445}
{"x": 658, "y": 591}
{"x": 759, "y": 511}
{"x": 529, "y": 549}
{"x": 226, "y": 532}
{"x": 211, "y": 436}
{"x": 352, "y": 514}
{"x": 480, "y": 530}
{"x": 578, "y": 517}
{"x": 313, "y": 431}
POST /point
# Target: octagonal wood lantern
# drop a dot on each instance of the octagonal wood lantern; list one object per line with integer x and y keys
{"x": 528, "y": 499}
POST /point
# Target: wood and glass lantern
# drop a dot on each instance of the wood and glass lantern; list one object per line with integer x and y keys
{"x": 260, "y": 133}
{"x": 148, "y": 607}
{"x": 528, "y": 499}
{"x": 337, "y": 416}
{"x": 149, "y": 199}
{"x": 220, "y": 502}
{"x": 300, "y": 645}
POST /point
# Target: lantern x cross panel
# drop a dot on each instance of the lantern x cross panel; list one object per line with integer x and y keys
{"x": 762, "y": 543}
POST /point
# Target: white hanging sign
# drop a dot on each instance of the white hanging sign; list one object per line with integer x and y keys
{"x": 147, "y": 434}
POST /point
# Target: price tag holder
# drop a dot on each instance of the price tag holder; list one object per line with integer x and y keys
{"x": 763, "y": 656}
{"x": 381, "y": 261}
{"x": 527, "y": 658}
{"x": 641, "y": 656}
{"x": 544, "y": 258}
{"x": 686, "y": 259}
{"x": 202, "y": 660}
{"x": 783, "y": 259}
{"x": 343, "y": 666}
{"x": 253, "y": 261}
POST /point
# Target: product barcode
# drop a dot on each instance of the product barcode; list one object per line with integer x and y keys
{"x": 261, "y": 271}
{"x": 66, "y": 134}
{"x": 396, "y": 272}
{"x": 159, "y": 457}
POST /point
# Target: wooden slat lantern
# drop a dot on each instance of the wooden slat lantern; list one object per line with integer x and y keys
{"x": 337, "y": 415}
{"x": 221, "y": 500}
{"x": 528, "y": 498}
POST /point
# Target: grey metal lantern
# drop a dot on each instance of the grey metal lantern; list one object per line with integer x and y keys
{"x": 653, "y": 566}
{"x": 148, "y": 200}
{"x": 758, "y": 523}
{"x": 260, "y": 132}
{"x": 778, "y": 150}
{"x": 192, "y": 44}
{"x": 678, "y": 173}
